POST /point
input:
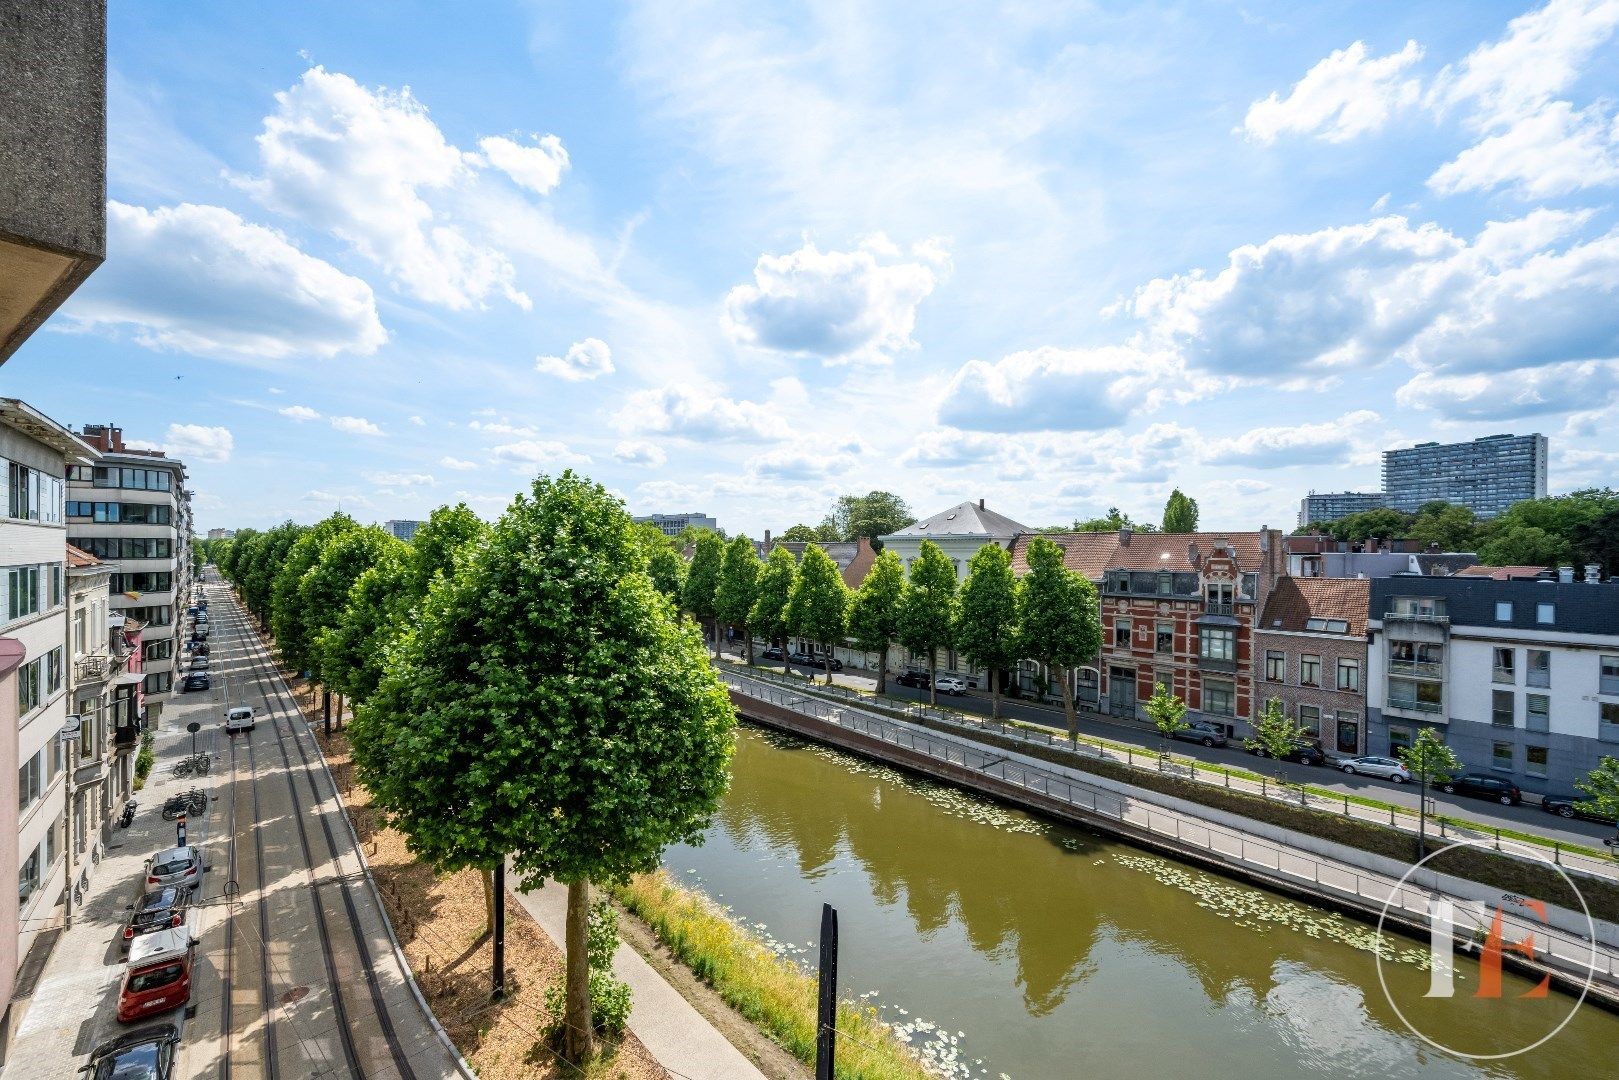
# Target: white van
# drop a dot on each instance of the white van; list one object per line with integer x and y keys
{"x": 239, "y": 718}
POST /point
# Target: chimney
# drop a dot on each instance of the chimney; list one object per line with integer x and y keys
{"x": 1371, "y": 544}
{"x": 767, "y": 541}
{"x": 1124, "y": 535}
{"x": 980, "y": 504}
{"x": 1565, "y": 574}
{"x": 1593, "y": 574}
{"x": 1191, "y": 552}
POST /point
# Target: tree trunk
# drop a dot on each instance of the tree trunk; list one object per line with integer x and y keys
{"x": 828, "y": 647}
{"x": 714, "y": 624}
{"x": 994, "y": 694}
{"x": 747, "y": 642}
{"x": 578, "y": 1036}
{"x": 882, "y": 670}
{"x": 933, "y": 672}
{"x": 1068, "y": 709}
{"x": 488, "y": 876}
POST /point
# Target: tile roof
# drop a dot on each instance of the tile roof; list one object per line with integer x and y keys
{"x": 78, "y": 558}
{"x": 1503, "y": 573}
{"x": 963, "y": 519}
{"x": 1294, "y": 601}
{"x": 1171, "y": 551}
{"x": 1086, "y": 553}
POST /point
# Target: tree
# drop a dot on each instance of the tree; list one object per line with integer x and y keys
{"x": 447, "y": 532}
{"x": 1522, "y": 545}
{"x": 1059, "y": 619}
{"x": 323, "y": 592}
{"x": 986, "y": 617}
{"x": 1180, "y": 513}
{"x": 875, "y": 514}
{"x": 290, "y": 618}
{"x": 810, "y": 534}
{"x": 738, "y": 588}
{"x": 703, "y": 580}
{"x": 1168, "y": 714}
{"x": 1275, "y": 733}
{"x": 668, "y": 572}
{"x": 1451, "y": 528}
{"x": 1596, "y": 542}
{"x": 1430, "y": 761}
{"x": 929, "y": 612}
{"x": 818, "y": 605}
{"x": 874, "y": 615}
{"x": 1601, "y": 786}
{"x": 1113, "y": 522}
{"x": 547, "y": 705}
{"x": 354, "y": 651}
{"x": 768, "y": 616}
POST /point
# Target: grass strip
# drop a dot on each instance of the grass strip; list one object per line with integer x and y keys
{"x": 771, "y": 992}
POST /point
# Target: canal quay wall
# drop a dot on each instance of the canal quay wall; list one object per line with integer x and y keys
{"x": 1337, "y": 876}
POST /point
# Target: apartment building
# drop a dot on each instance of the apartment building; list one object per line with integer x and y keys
{"x": 398, "y": 528}
{"x": 36, "y": 453}
{"x": 1519, "y": 677}
{"x": 130, "y": 508}
{"x": 1486, "y": 475}
{"x": 675, "y": 524}
{"x": 1332, "y": 505}
{"x": 1324, "y": 557}
{"x": 1311, "y": 643}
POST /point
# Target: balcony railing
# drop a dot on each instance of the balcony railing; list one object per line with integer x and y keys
{"x": 1427, "y": 669}
{"x": 1215, "y": 607}
{"x": 97, "y": 667}
{"x": 1609, "y": 685}
{"x": 1417, "y": 616}
{"x": 1416, "y": 706}
{"x": 1539, "y": 679}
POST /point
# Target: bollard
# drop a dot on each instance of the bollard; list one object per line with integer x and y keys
{"x": 1498, "y": 839}
{"x": 1346, "y": 806}
{"x": 1228, "y": 779}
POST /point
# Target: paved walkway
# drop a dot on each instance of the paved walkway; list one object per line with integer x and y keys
{"x": 682, "y": 1040}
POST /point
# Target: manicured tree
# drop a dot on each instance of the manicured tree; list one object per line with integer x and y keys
{"x": 768, "y": 617}
{"x": 290, "y": 620}
{"x": 1601, "y": 788}
{"x": 1059, "y": 620}
{"x": 986, "y": 617}
{"x": 818, "y": 606}
{"x": 1430, "y": 761}
{"x": 447, "y": 532}
{"x": 668, "y": 572}
{"x": 929, "y": 613}
{"x": 738, "y": 588}
{"x": 1168, "y": 714}
{"x": 354, "y": 650}
{"x": 548, "y": 705}
{"x": 1180, "y": 513}
{"x": 703, "y": 581}
{"x": 323, "y": 591}
{"x": 257, "y": 568}
{"x": 874, "y": 614}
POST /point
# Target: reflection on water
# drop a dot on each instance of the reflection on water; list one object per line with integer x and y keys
{"x": 1000, "y": 944}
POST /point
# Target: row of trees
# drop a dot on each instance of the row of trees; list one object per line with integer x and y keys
{"x": 1180, "y": 516}
{"x": 524, "y": 691}
{"x": 1577, "y": 529}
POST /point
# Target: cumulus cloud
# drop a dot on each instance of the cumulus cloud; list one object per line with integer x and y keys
{"x": 360, "y": 164}
{"x": 1558, "y": 388}
{"x": 355, "y": 425}
{"x": 587, "y": 359}
{"x": 1345, "y": 95}
{"x": 299, "y": 413}
{"x": 195, "y": 442}
{"x": 632, "y": 452}
{"x": 690, "y": 413}
{"x": 839, "y": 306}
{"x": 418, "y": 421}
{"x": 810, "y": 459}
{"x": 1052, "y": 389}
{"x": 396, "y": 479}
{"x": 1326, "y": 443}
{"x": 537, "y": 454}
{"x": 538, "y": 168}
{"x": 200, "y": 280}
{"x": 503, "y": 426}
{"x": 457, "y": 464}
{"x": 1555, "y": 151}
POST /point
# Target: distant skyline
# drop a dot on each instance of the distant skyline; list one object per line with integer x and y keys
{"x": 742, "y": 260}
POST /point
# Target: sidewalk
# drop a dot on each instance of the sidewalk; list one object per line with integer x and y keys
{"x": 675, "y": 1033}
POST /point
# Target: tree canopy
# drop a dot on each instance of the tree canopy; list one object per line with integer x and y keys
{"x": 986, "y": 617}
{"x": 738, "y": 587}
{"x": 874, "y": 514}
{"x": 1058, "y": 617}
{"x": 929, "y": 613}
{"x": 818, "y": 604}
{"x": 291, "y": 620}
{"x": 874, "y": 614}
{"x": 768, "y": 616}
{"x": 703, "y": 580}
{"x": 1180, "y": 513}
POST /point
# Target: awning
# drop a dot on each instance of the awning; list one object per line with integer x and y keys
{"x": 130, "y": 678}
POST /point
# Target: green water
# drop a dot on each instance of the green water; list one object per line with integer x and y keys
{"x": 998, "y": 943}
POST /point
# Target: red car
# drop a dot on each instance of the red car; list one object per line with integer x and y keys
{"x": 158, "y": 978}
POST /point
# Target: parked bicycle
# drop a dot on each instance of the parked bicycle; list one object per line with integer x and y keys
{"x": 194, "y": 801}
{"x": 193, "y": 765}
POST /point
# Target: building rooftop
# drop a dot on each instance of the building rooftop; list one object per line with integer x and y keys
{"x": 1085, "y": 553}
{"x": 1502, "y": 573}
{"x": 854, "y": 557}
{"x": 1317, "y": 604}
{"x": 1184, "y": 551}
{"x": 79, "y": 559}
{"x": 1580, "y": 607}
{"x": 966, "y": 519}
{"x": 23, "y": 417}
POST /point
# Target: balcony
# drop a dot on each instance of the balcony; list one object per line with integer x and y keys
{"x": 126, "y": 739}
{"x": 1213, "y": 607}
{"x": 1417, "y": 617}
{"x": 95, "y": 668}
{"x": 1422, "y": 669}
{"x": 1215, "y": 663}
{"x": 1413, "y": 706}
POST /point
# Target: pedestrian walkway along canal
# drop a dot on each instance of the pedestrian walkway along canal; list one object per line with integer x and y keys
{"x": 1001, "y": 944}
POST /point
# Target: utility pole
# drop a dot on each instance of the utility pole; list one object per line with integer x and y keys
{"x": 499, "y": 992}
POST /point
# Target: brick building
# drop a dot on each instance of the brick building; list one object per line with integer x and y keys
{"x": 1088, "y": 555}
{"x": 1311, "y": 644}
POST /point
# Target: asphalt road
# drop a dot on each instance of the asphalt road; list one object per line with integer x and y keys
{"x": 1528, "y": 817}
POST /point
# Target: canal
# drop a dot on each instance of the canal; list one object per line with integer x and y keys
{"x": 1000, "y": 944}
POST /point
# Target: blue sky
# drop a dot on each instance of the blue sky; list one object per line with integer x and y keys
{"x": 744, "y": 258}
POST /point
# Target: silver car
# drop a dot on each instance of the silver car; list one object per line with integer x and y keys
{"x": 1385, "y": 768}
{"x": 178, "y": 866}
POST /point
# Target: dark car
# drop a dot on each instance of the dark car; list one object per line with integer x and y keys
{"x": 160, "y": 909}
{"x": 1478, "y": 786}
{"x": 1202, "y": 732}
{"x": 772, "y": 653}
{"x": 144, "y": 1054}
{"x": 822, "y": 662}
{"x": 197, "y": 680}
{"x": 1305, "y": 752}
{"x": 918, "y": 679}
{"x": 1568, "y": 806}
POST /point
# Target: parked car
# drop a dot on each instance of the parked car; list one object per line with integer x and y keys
{"x": 192, "y": 610}
{"x": 823, "y": 662}
{"x": 158, "y": 909}
{"x": 1305, "y": 752}
{"x": 197, "y": 680}
{"x": 1479, "y": 786}
{"x": 158, "y": 977}
{"x": 200, "y": 632}
{"x": 179, "y": 866}
{"x": 1201, "y": 731}
{"x": 918, "y": 679}
{"x": 1568, "y": 806}
{"x": 239, "y": 718}
{"x": 772, "y": 653}
{"x": 1385, "y": 768}
{"x": 951, "y": 684}
{"x": 144, "y": 1054}
{"x": 199, "y": 662}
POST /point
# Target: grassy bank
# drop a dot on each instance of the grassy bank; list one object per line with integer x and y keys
{"x": 771, "y": 992}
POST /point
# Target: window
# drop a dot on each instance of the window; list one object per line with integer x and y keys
{"x": 1166, "y": 584}
{"x": 30, "y": 781}
{"x": 1121, "y": 633}
{"x": 81, "y": 637}
{"x": 145, "y": 581}
{"x": 1535, "y": 759}
{"x": 1310, "y": 720}
{"x": 1399, "y": 738}
{"x": 1503, "y": 708}
{"x": 1309, "y": 670}
{"x": 1421, "y": 607}
{"x": 1501, "y": 756}
{"x": 53, "y": 671}
{"x": 159, "y": 650}
{"x": 28, "y": 688}
{"x": 1545, "y": 614}
{"x": 1348, "y": 674}
{"x": 1426, "y": 697}
{"x": 1275, "y": 666}
{"x": 1166, "y": 638}
{"x": 1539, "y": 669}
{"x": 116, "y": 513}
{"x": 1217, "y": 643}
{"x": 1503, "y": 666}
{"x": 28, "y": 877}
{"x": 33, "y": 496}
{"x": 129, "y": 479}
{"x": 159, "y": 682}
{"x": 1217, "y": 598}
{"x": 1537, "y": 710}
{"x": 1503, "y": 611}
{"x": 125, "y": 547}
{"x": 1608, "y": 721}
{"x": 22, "y": 592}
{"x": 1219, "y": 698}
{"x": 1610, "y": 675}
{"x": 1330, "y": 626}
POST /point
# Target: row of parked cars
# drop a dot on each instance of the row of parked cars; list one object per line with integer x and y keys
{"x": 196, "y": 649}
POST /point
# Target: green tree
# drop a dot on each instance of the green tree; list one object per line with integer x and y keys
{"x": 447, "y": 532}
{"x": 986, "y": 617}
{"x": 257, "y": 568}
{"x": 1180, "y": 513}
{"x": 1452, "y": 528}
{"x": 818, "y": 605}
{"x": 809, "y": 534}
{"x": 548, "y": 705}
{"x": 874, "y": 614}
{"x": 1381, "y": 523}
{"x": 354, "y": 651}
{"x": 1431, "y": 762}
{"x": 1113, "y": 522}
{"x": 1522, "y": 545}
{"x": 1059, "y": 619}
{"x": 929, "y": 612}
{"x": 768, "y": 616}
{"x": 703, "y": 581}
{"x": 1601, "y": 789}
{"x": 323, "y": 591}
{"x": 1275, "y": 733}
{"x": 1596, "y": 541}
{"x": 875, "y": 514}
{"x": 738, "y": 588}
{"x": 1168, "y": 714}
{"x": 668, "y": 572}
{"x": 290, "y": 619}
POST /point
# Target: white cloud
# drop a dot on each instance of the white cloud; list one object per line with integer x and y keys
{"x": 360, "y": 164}
{"x": 299, "y": 413}
{"x": 840, "y": 306}
{"x": 1557, "y": 150}
{"x": 503, "y": 426}
{"x": 457, "y": 464}
{"x": 632, "y": 452}
{"x": 535, "y": 454}
{"x": 1052, "y": 389}
{"x": 585, "y": 359}
{"x": 418, "y": 421}
{"x": 807, "y": 459}
{"x": 1343, "y": 96}
{"x": 195, "y": 442}
{"x": 1557, "y": 388}
{"x": 200, "y": 280}
{"x": 394, "y": 479}
{"x": 1327, "y": 443}
{"x": 538, "y": 168}
{"x": 690, "y": 413}
{"x": 355, "y": 425}
{"x": 350, "y": 499}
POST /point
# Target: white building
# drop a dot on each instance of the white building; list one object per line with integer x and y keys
{"x": 959, "y": 531}
{"x": 399, "y": 528}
